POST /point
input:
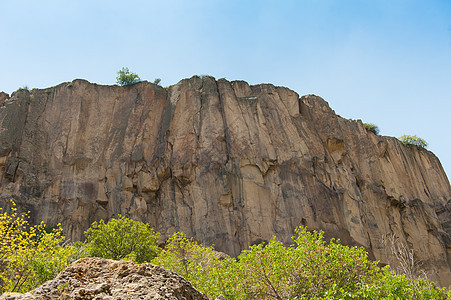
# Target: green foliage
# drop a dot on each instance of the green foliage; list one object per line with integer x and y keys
{"x": 126, "y": 78}
{"x": 22, "y": 88}
{"x": 371, "y": 128}
{"x": 200, "y": 265}
{"x": 157, "y": 81}
{"x": 29, "y": 255}
{"x": 63, "y": 288}
{"x": 122, "y": 238}
{"x": 267, "y": 271}
{"x": 308, "y": 269}
{"x": 413, "y": 140}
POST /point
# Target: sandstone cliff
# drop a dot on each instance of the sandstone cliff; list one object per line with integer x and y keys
{"x": 227, "y": 163}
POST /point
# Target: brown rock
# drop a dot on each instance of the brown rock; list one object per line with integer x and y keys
{"x": 99, "y": 278}
{"x": 3, "y": 97}
{"x": 227, "y": 163}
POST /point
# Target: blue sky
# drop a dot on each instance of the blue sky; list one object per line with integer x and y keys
{"x": 384, "y": 62}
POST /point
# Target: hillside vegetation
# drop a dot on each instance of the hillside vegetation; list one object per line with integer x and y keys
{"x": 310, "y": 268}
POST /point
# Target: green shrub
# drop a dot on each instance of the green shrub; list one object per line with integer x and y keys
{"x": 126, "y": 78}
{"x": 200, "y": 265}
{"x": 308, "y": 269}
{"x": 413, "y": 140}
{"x": 22, "y": 88}
{"x": 122, "y": 238}
{"x": 371, "y": 128}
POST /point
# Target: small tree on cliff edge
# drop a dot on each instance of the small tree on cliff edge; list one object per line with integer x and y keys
{"x": 371, "y": 128}
{"x": 413, "y": 140}
{"x": 126, "y": 78}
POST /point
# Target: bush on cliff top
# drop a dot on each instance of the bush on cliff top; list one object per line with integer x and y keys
{"x": 127, "y": 78}
{"x": 413, "y": 140}
{"x": 371, "y": 128}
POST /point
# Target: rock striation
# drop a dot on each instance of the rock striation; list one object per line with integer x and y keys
{"x": 227, "y": 163}
{"x": 99, "y": 278}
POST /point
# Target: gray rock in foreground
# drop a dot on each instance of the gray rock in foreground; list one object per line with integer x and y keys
{"x": 99, "y": 278}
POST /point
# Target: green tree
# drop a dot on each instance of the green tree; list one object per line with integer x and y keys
{"x": 412, "y": 140}
{"x": 308, "y": 269}
{"x": 123, "y": 238}
{"x": 126, "y": 78}
{"x": 200, "y": 265}
{"x": 311, "y": 268}
{"x": 371, "y": 128}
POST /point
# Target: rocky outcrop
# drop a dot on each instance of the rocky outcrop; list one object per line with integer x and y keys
{"x": 227, "y": 163}
{"x": 3, "y": 97}
{"x": 99, "y": 278}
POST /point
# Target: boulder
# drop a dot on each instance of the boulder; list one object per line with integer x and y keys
{"x": 99, "y": 278}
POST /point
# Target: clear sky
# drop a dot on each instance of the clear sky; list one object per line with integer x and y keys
{"x": 384, "y": 62}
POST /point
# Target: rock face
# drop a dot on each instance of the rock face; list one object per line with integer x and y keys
{"x": 99, "y": 278}
{"x": 227, "y": 163}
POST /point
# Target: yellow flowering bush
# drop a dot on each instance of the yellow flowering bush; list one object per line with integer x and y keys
{"x": 29, "y": 255}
